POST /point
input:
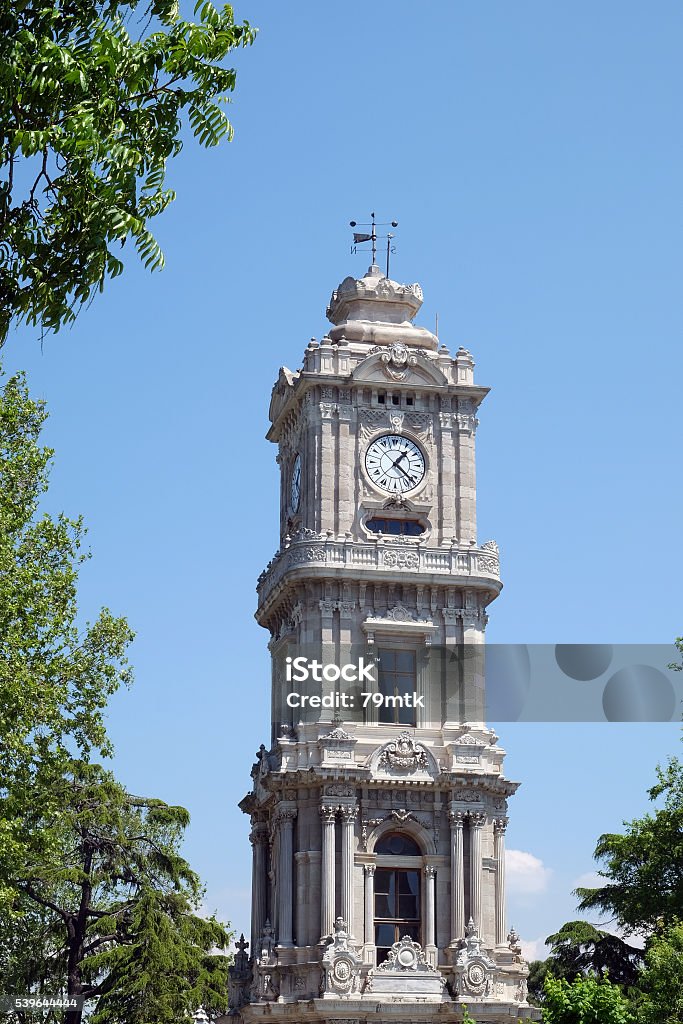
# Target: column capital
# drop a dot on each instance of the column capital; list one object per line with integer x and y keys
{"x": 500, "y": 825}
{"x": 477, "y": 819}
{"x": 429, "y": 870}
{"x": 348, "y": 812}
{"x": 369, "y": 869}
{"x": 456, "y": 818}
{"x": 259, "y": 836}
{"x": 285, "y": 816}
{"x": 328, "y": 812}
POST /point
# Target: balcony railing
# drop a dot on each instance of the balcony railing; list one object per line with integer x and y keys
{"x": 319, "y": 552}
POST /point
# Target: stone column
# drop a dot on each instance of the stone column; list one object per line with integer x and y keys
{"x": 328, "y": 813}
{"x": 284, "y": 876}
{"x": 302, "y": 895}
{"x": 429, "y": 877}
{"x": 259, "y": 843}
{"x": 476, "y": 824}
{"x": 348, "y": 818}
{"x": 499, "y": 826}
{"x": 369, "y": 904}
{"x": 457, "y": 820}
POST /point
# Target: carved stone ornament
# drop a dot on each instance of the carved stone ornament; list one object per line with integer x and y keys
{"x": 337, "y": 734}
{"x": 239, "y": 977}
{"x": 407, "y": 970}
{"x": 340, "y": 790}
{"x": 474, "y": 967}
{"x": 397, "y": 361}
{"x": 396, "y": 421}
{"x": 341, "y": 966}
{"x": 404, "y": 753}
{"x": 267, "y": 953}
{"x": 401, "y": 559}
{"x": 406, "y": 955}
{"x": 514, "y": 942}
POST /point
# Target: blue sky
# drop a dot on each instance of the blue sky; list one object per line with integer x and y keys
{"x": 533, "y": 156}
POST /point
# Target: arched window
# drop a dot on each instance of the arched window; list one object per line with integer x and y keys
{"x": 397, "y": 891}
{"x": 397, "y": 844}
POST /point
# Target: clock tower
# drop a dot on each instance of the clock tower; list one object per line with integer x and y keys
{"x": 379, "y": 805}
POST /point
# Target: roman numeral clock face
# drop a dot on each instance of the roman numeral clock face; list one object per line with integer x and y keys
{"x": 394, "y": 463}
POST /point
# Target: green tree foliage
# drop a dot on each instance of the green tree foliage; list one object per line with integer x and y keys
{"x": 117, "y": 906}
{"x": 644, "y": 866}
{"x": 537, "y": 972}
{"x": 662, "y": 979}
{"x": 95, "y": 898}
{"x": 92, "y": 97}
{"x": 586, "y": 1000}
{"x": 580, "y": 948}
{"x": 677, "y": 666}
{"x": 55, "y": 675}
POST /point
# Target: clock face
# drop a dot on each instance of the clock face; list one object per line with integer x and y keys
{"x": 395, "y": 463}
{"x": 295, "y": 485}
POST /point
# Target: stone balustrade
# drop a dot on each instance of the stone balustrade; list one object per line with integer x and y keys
{"x": 325, "y": 552}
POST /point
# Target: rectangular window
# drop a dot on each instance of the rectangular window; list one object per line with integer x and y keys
{"x": 397, "y": 908}
{"x": 397, "y": 678}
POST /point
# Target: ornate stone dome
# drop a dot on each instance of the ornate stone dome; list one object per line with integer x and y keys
{"x": 375, "y": 299}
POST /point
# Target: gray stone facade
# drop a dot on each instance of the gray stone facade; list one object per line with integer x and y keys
{"x": 330, "y": 785}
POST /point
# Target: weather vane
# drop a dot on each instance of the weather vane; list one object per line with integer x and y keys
{"x": 360, "y": 237}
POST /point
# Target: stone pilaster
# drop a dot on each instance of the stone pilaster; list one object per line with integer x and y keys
{"x": 499, "y": 827}
{"x": 447, "y": 520}
{"x": 285, "y": 820}
{"x": 328, "y": 814}
{"x": 369, "y": 911}
{"x": 429, "y": 931}
{"x": 457, "y": 820}
{"x": 348, "y": 814}
{"x": 476, "y": 825}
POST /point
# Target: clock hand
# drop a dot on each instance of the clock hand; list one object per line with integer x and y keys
{"x": 394, "y": 465}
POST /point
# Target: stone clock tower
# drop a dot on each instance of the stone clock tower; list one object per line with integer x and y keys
{"x": 379, "y": 806}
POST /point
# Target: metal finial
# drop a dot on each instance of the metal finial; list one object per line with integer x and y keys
{"x": 359, "y": 237}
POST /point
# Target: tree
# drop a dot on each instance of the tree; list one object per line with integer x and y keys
{"x": 586, "y": 1000}
{"x": 117, "y": 906}
{"x": 662, "y": 979}
{"x": 580, "y": 948}
{"x": 55, "y": 676}
{"x": 95, "y": 899}
{"x": 89, "y": 116}
{"x": 537, "y": 972}
{"x": 644, "y": 866}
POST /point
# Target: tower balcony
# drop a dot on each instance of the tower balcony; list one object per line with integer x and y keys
{"x": 310, "y": 555}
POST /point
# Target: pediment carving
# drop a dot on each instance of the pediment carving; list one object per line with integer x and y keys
{"x": 404, "y": 756}
{"x": 397, "y": 362}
